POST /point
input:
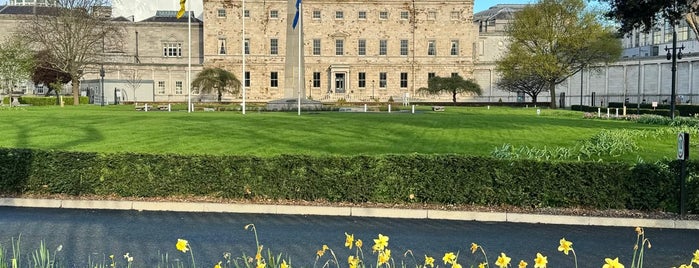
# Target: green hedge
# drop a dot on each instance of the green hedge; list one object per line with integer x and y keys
{"x": 46, "y": 101}
{"x": 436, "y": 179}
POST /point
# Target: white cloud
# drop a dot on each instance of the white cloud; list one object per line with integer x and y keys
{"x": 143, "y": 9}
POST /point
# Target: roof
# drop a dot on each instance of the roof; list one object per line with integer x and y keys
{"x": 171, "y": 16}
{"x": 502, "y": 11}
{"x": 26, "y": 10}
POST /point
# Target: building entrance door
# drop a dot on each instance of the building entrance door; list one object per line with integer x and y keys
{"x": 339, "y": 82}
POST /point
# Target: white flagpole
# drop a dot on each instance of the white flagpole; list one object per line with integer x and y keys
{"x": 189, "y": 58}
{"x": 243, "y": 52}
{"x": 299, "y": 52}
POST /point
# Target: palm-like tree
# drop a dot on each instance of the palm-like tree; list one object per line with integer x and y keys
{"x": 217, "y": 79}
{"x": 454, "y": 85}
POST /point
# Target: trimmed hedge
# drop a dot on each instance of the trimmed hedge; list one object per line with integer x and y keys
{"x": 46, "y": 101}
{"x": 438, "y": 179}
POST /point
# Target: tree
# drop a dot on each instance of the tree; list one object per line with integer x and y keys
{"x": 217, "y": 79}
{"x": 75, "y": 33}
{"x": 49, "y": 75}
{"x": 16, "y": 63}
{"x": 555, "y": 39}
{"x": 134, "y": 81}
{"x": 454, "y": 85}
{"x": 527, "y": 83}
{"x": 644, "y": 14}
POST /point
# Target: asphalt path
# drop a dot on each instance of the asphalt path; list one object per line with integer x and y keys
{"x": 93, "y": 235}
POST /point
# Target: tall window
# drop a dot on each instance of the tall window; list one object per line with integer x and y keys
{"x": 361, "y": 15}
{"x": 404, "y": 47}
{"x": 339, "y": 14}
{"x": 339, "y": 47}
{"x": 383, "y": 47}
{"x": 316, "y": 79}
{"x": 383, "y": 15}
{"x": 455, "y": 15}
{"x": 431, "y": 15}
{"x": 361, "y": 47}
{"x": 404, "y": 15}
{"x": 247, "y": 79}
{"x": 247, "y": 46}
{"x": 454, "y": 47}
{"x": 668, "y": 32}
{"x": 403, "y": 80}
{"x": 222, "y": 46}
{"x": 431, "y": 48}
{"x": 362, "y": 79}
{"x": 172, "y": 49}
{"x": 221, "y": 13}
{"x": 430, "y": 76}
{"x": 178, "y": 87}
{"x": 246, "y": 13}
{"x": 161, "y": 87}
{"x": 274, "y": 46}
{"x": 316, "y": 14}
{"x": 274, "y": 14}
{"x": 382, "y": 80}
{"x": 316, "y": 47}
{"x": 274, "y": 79}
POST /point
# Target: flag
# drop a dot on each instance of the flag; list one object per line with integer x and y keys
{"x": 181, "y": 12}
{"x": 296, "y": 17}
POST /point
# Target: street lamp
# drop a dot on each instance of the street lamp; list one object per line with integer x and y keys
{"x": 372, "y": 88}
{"x": 102, "y": 82}
{"x": 673, "y": 54}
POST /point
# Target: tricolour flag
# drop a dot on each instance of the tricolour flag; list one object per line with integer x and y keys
{"x": 296, "y": 17}
{"x": 181, "y": 12}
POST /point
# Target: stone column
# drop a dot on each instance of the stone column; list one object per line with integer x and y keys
{"x": 292, "y": 73}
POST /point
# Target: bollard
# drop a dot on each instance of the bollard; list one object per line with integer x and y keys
{"x": 413, "y": 108}
{"x": 389, "y": 108}
{"x": 488, "y": 107}
{"x": 365, "y": 107}
{"x": 145, "y": 107}
{"x": 607, "y": 112}
{"x": 599, "y": 112}
{"x": 169, "y": 107}
{"x": 538, "y": 111}
{"x": 617, "y": 112}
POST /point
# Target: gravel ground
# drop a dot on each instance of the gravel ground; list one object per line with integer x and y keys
{"x": 622, "y": 213}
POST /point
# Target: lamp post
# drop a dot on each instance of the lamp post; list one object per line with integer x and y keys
{"x": 673, "y": 54}
{"x": 372, "y": 88}
{"x": 310, "y": 89}
{"x": 102, "y": 83}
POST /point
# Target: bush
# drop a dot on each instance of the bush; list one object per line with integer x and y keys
{"x": 45, "y": 101}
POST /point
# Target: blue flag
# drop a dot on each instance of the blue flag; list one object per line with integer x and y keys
{"x": 296, "y": 17}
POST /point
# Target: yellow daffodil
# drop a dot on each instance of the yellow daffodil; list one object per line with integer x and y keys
{"x": 320, "y": 253}
{"x": 685, "y": 266}
{"x": 358, "y": 243}
{"x": 474, "y": 247}
{"x": 111, "y": 256}
{"x": 258, "y": 256}
{"x": 609, "y": 263}
{"x": 218, "y": 265}
{"x": 695, "y": 259}
{"x": 540, "y": 261}
{"x": 353, "y": 261}
{"x": 349, "y": 239}
{"x": 639, "y": 230}
{"x": 261, "y": 265}
{"x": 284, "y": 265}
{"x": 380, "y": 243}
{"x": 449, "y": 257}
{"x": 565, "y": 246}
{"x": 384, "y": 256}
{"x": 503, "y": 260}
{"x": 182, "y": 245}
{"x": 482, "y": 265}
{"x": 522, "y": 264}
{"x": 429, "y": 261}
{"x": 456, "y": 265}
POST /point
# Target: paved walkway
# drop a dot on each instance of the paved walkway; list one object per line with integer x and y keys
{"x": 350, "y": 211}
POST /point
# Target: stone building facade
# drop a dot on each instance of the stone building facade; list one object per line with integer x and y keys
{"x": 352, "y": 50}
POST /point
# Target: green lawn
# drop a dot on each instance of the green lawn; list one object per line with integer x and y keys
{"x": 472, "y": 131}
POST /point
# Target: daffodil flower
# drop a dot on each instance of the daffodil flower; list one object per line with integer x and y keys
{"x": 358, "y": 243}
{"x": 182, "y": 245}
{"x": 482, "y": 265}
{"x": 522, "y": 264}
{"x": 474, "y": 247}
{"x": 449, "y": 257}
{"x": 456, "y": 265}
{"x": 503, "y": 260}
{"x": 609, "y": 263}
{"x": 349, "y": 240}
{"x": 695, "y": 259}
{"x": 384, "y": 256}
{"x": 380, "y": 243}
{"x": 284, "y": 265}
{"x": 429, "y": 261}
{"x": 218, "y": 265}
{"x": 540, "y": 261}
{"x": 565, "y": 246}
{"x": 353, "y": 261}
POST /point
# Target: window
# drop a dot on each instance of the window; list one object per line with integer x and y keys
{"x": 246, "y": 13}
{"x": 247, "y": 79}
{"x": 161, "y": 87}
{"x": 339, "y": 47}
{"x": 454, "y": 74}
{"x": 274, "y": 14}
{"x": 361, "y": 47}
{"x": 316, "y": 14}
{"x": 383, "y": 15}
{"x": 682, "y": 34}
{"x": 222, "y": 46}
{"x": 274, "y": 46}
{"x": 361, "y": 15}
{"x": 455, "y": 15}
{"x": 274, "y": 79}
{"x": 316, "y": 47}
{"x": 431, "y": 15}
{"x": 247, "y": 46}
{"x": 221, "y": 13}
{"x": 40, "y": 89}
{"x": 339, "y": 15}
{"x": 383, "y": 47}
{"x": 362, "y": 80}
{"x": 382, "y": 80}
{"x": 316, "y": 79}
{"x": 454, "y": 48}
{"x": 404, "y": 47}
{"x": 404, "y": 15}
{"x": 668, "y": 32}
{"x": 178, "y": 87}
{"x": 431, "y": 48}
{"x": 403, "y": 80}
{"x": 172, "y": 49}
{"x": 430, "y": 76}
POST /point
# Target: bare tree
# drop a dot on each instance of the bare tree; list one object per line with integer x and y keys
{"x": 16, "y": 65}
{"x": 134, "y": 81}
{"x": 75, "y": 33}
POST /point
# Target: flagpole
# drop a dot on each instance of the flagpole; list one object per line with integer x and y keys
{"x": 243, "y": 50}
{"x": 300, "y": 83}
{"x": 189, "y": 58}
